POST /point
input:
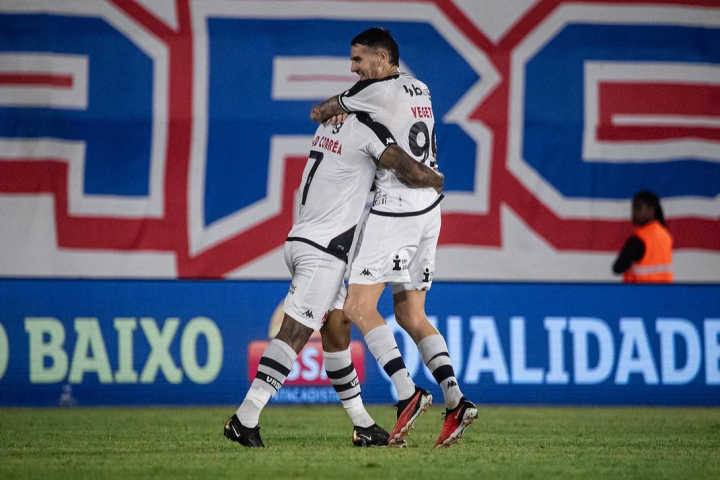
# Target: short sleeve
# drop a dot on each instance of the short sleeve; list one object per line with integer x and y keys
{"x": 365, "y": 96}
{"x": 371, "y": 137}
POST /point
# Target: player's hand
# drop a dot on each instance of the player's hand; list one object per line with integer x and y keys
{"x": 315, "y": 114}
{"x": 336, "y": 119}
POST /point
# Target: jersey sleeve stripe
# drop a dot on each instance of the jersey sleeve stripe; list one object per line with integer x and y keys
{"x": 359, "y": 87}
{"x": 380, "y": 130}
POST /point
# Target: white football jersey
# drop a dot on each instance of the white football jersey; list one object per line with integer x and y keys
{"x": 401, "y": 103}
{"x": 336, "y": 181}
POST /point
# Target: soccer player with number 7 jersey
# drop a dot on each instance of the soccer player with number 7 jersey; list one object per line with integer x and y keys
{"x": 335, "y": 185}
{"x": 398, "y": 241}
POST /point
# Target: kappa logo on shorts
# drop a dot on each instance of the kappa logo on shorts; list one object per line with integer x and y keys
{"x": 308, "y": 313}
{"x": 366, "y": 273}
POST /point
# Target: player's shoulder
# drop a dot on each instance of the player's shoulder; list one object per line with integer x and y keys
{"x": 371, "y": 85}
{"x": 406, "y": 81}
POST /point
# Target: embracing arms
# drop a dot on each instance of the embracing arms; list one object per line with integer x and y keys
{"x": 409, "y": 171}
{"x": 329, "y": 110}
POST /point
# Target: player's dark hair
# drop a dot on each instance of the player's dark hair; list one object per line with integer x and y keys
{"x": 377, "y": 37}
{"x": 651, "y": 200}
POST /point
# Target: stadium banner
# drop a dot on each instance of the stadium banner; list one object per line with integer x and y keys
{"x": 166, "y": 139}
{"x": 161, "y": 342}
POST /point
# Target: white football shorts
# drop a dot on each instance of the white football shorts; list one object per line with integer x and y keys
{"x": 317, "y": 285}
{"x": 397, "y": 250}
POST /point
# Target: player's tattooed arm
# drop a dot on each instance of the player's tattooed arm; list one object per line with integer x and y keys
{"x": 328, "y": 111}
{"x": 410, "y": 172}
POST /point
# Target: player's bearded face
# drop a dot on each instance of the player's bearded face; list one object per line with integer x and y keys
{"x": 365, "y": 62}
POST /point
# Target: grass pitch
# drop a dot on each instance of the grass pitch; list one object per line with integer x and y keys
{"x": 314, "y": 443}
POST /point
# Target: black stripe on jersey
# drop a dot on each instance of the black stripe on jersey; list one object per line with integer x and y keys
{"x": 361, "y": 85}
{"x": 380, "y": 130}
{"x": 334, "y": 253}
{"x": 341, "y": 244}
{"x": 408, "y": 214}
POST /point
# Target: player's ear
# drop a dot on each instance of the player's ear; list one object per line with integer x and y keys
{"x": 383, "y": 55}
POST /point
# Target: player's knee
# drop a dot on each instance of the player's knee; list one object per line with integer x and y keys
{"x": 336, "y": 332}
{"x": 351, "y": 309}
{"x": 407, "y": 316}
{"x": 400, "y": 316}
{"x": 294, "y": 333}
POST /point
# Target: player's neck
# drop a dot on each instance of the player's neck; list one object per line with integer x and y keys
{"x": 391, "y": 70}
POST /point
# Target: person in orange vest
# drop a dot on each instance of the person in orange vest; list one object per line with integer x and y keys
{"x": 647, "y": 255}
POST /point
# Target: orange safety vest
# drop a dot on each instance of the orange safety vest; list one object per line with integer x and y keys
{"x": 656, "y": 265}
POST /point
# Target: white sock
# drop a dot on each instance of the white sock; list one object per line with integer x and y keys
{"x": 341, "y": 372}
{"x": 382, "y": 345}
{"x": 274, "y": 366}
{"x": 434, "y": 353}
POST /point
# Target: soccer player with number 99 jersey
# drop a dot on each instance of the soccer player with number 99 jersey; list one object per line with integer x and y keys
{"x": 399, "y": 238}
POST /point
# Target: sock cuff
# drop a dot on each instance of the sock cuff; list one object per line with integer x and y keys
{"x": 431, "y": 346}
{"x": 337, "y": 355}
{"x": 378, "y": 332}
{"x": 286, "y": 349}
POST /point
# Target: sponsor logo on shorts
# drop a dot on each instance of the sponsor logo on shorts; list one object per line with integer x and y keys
{"x": 399, "y": 263}
{"x": 292, "y": 289}
{"x": 427, "y": 275}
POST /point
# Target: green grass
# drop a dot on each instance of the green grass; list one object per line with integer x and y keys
{"x": 314, "y": 443}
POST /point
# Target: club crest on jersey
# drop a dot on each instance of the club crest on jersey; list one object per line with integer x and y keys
{"x": 380, "y": 199}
